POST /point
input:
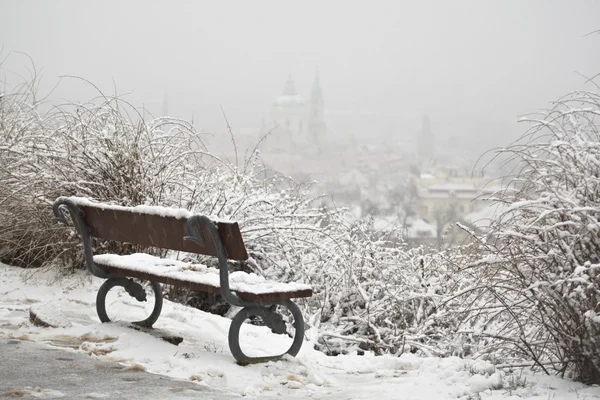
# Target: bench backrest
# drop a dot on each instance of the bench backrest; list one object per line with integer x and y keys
{"x": 166, "y": 232}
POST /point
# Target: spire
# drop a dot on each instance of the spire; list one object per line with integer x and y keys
{"x": 263, "y": 127}
{"x": 290, "y": 87}
{"x": 425, "y": 140}
{"x": 426, "y": 127}
{"x": 316, "y": 91}
{"x": 316, "y": 112}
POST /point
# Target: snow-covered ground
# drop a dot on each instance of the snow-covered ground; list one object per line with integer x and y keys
{"x": 203, "y": 356}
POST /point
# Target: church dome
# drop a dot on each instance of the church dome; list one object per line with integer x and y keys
{"x": 286, "y": 101}
{"x": 289, "y": 98}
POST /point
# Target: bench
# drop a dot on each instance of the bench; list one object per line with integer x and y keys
{"x": 179, "y": 229}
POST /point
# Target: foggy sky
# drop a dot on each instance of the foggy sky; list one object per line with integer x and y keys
{"x": 472, "y": 66}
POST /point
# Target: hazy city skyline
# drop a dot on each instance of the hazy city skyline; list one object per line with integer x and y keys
{"x": 472, "y": 67}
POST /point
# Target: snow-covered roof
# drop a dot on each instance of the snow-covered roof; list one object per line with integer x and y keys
{"x": 419, "y": 229}
{"x": 449, "y": 195}
{"x": 496, "y": 189}
{"x": 352, "y": 176}
{"x": 457, "y": 187}
{"x": 385, "y": 223}
{"x": 483, "y": 218}
{"x": 450, "y": 190}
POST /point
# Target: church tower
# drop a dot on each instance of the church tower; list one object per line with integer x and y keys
{"x": 288, "y": 111}
{"x": 316, "y": 111}
{"x": 298, "y": 125}
{"x": 425, "y": 150}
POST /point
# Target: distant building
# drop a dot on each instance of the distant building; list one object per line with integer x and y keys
{"x": 425, "y": 142}
{"x": 316, "y": 113}
{"x": 448, "y": 201}
{"x": 297, "y": 125}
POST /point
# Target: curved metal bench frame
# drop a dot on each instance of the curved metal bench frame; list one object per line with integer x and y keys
{"x": 249, "y": 309}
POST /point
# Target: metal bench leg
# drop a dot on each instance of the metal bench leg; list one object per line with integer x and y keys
{"x": 134, "y": 290}
{"x": 273, "y": 321}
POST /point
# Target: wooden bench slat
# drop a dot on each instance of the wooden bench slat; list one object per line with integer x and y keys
{"x": 249, "y": 287}
{"x": 160, "y": 231}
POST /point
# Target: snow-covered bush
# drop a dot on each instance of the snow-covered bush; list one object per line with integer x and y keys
{"x": 21, "y": 126}
{"x": 370, "y": 294}
{"x": 544, "y": 281}
{"x": 103, "y": 149}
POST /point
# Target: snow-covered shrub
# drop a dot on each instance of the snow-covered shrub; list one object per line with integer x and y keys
{"x": 370, "y": 294}
{"x": 544, "y": 286}
{"x": 103, "y": 149}
{"x": 21, "y": 126}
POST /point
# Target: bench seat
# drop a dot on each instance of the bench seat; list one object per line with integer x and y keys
{"x": 248, "y": 286}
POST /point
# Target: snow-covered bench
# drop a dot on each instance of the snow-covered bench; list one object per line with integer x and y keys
{"x": 178, "y": 229}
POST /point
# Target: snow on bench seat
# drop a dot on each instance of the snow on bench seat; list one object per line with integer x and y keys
{"x": 247, "y": 286}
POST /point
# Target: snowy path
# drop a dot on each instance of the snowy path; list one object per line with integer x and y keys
{"x": 203, "y": 356}
{"x": 42, "y": 371}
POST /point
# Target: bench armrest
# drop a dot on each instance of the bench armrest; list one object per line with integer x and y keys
{"x": 194, "y": 235}
{"x": 77, "y": 216}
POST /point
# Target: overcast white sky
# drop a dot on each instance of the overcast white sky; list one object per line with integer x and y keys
{"x": 472, "y": 66}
